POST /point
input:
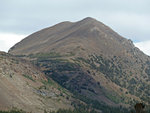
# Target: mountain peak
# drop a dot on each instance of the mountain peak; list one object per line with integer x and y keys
{"x": 66, "y": 37}
{"x": 90, "y": 58}
{"x": 88, "y": 20}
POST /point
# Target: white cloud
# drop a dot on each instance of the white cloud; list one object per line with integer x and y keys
{"x": 8, "y": 40}
{"x": 144, "y": 46}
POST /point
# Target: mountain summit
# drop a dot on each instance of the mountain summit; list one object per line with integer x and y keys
{"x": 87, "y": 34}
{"x": 91, "y": 60}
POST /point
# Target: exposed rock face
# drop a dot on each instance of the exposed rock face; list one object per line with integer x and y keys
{"x": 90, "y": 59}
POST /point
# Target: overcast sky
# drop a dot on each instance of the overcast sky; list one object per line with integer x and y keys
{"x": 19, "y": 18}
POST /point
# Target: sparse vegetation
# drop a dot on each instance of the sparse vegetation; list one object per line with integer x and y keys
{"x": 28, "y": 77}
{"x": 79, "y": 110}
{"x": 13, "y": 111}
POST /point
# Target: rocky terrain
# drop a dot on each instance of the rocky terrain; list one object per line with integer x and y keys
{"x": 23, "y": 86}
{"x": 91, "y": 60}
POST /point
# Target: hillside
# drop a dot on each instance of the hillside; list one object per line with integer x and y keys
{"x": 23, "y": 86}
{"x": 91, "y": 60}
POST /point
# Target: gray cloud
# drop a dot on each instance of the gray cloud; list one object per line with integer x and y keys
{"x": 129, "y": 18}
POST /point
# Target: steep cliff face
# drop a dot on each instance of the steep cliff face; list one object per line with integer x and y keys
{"x": 90, "y": 59}
{"x": 23, "y": 86}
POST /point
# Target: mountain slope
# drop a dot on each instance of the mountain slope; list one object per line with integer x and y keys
{"x": 68, "y": 36}
{"x": 91, "y": 60}
{"x": 23, "y": 86}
